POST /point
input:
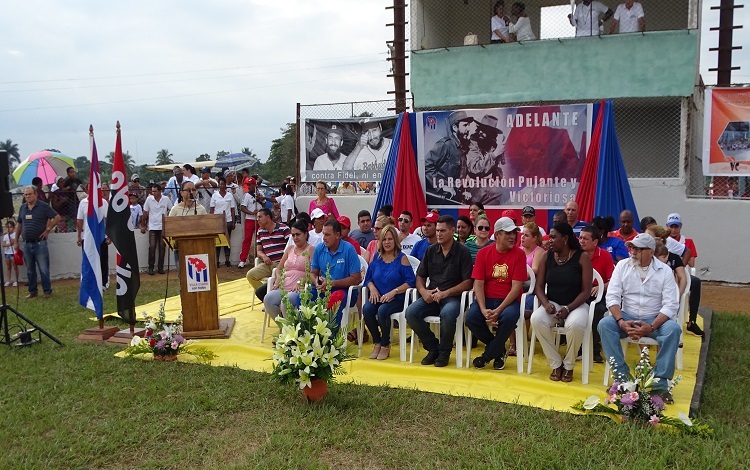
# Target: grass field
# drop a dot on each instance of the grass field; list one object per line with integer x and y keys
{"x": 80, "y": 407}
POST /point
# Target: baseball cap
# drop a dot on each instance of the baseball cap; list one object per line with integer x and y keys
{"x": 528, "y": 210}
{"x": 135, "y": 177}
{"x": 317, "y": 213}
{"x": 430, "y": 217}
{"x": 643, "y": 240}
{"x": 336, "y": 129}
{"x": 344, "y": 220}
{"x": 511, "y": 214}
{"x": 368, "y": 124}
{"x": 132, "y": 193}
{"x": 205, "y": 169}
{"x": 674, "y": 219}
{"x": 252, "y": 181}
{"x": 505, "y": 224}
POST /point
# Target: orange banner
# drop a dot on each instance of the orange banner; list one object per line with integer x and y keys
{"x": 726, "y": 135}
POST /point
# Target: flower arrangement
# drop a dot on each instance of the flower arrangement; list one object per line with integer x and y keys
{"x": 635, "y": 403}
{"x": 164, "y": 340}
{"x": 306, "y": 348}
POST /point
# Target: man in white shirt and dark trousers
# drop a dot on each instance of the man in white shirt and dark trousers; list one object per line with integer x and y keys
{"x": 643, "y": 299}
{"x": 155, "y": 207}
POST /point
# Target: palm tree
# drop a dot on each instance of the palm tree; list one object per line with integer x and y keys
{"x": 127, "y": 159}
{"x": 204, "y": 157}
{"x": 249, "y": 152}
{"x": 164, "y": 157}
{"x": 12, "y": 149}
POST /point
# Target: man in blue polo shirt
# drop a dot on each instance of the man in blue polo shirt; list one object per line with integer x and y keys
{"x": 340, "y": 262}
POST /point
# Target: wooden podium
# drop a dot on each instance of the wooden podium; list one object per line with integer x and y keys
{"x": 196, "y": 238}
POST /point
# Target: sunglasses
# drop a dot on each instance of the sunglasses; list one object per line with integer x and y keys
{"x": 401, "y": 219}
{"x": 482, "y": 228}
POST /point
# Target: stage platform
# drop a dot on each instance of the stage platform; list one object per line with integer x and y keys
{"x": 245, "y": 350}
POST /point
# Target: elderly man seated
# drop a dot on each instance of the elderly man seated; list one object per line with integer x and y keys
{"x": 642, "y": 299}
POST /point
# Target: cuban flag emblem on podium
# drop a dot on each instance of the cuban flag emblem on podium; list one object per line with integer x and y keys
{"x": 197, "y": 267}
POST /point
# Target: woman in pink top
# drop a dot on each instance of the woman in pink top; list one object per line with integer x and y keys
{"x": 531, "y": 244}
{"x": 323, "y": 202}
{"x": 294, "y": 263}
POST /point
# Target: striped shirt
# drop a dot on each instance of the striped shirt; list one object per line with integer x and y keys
{"x": 274, "y": 242}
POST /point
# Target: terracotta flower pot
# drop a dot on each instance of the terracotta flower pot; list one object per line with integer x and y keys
{"x": 317, "y": 391}
{"x": 165, "y": 358}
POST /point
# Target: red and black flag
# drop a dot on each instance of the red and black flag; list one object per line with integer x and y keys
{"x": 128, "y": 274}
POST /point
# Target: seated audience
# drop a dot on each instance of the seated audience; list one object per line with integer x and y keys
{"x": 602, "y": 262}
{"x": 614, "y": 246}
{"x": 565, "y": 272}
{"x": 388, "y": 277}
{"x": 293, "y": 265}
{"x": 531, "y": 244}
{"x": 448, "y": 267}
{"x": 499, "y": 274}
{"x": 482, "y": 238}
{"x": 642, "y": 302}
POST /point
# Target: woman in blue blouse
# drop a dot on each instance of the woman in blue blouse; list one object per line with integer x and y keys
{"x": 388, "y": 277}
{"x": 614, "y": 245}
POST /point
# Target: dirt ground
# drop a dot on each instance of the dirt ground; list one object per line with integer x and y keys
{"x": 732, "y": 298}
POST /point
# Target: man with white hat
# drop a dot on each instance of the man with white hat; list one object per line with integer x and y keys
{"x": 642, "y": 298}
{"x": 674, "y": 223}
{"x": 318, "y": 218}
{"x": 333, "y": 159}
{"x": 499, "y": 273}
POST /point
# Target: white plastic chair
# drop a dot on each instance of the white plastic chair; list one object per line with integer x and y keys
{"x": 258, "y": 262}
{"x": 398, "y": 317}
{"x": 459, "y": 338}
{"x": 520, "y": 326}
{"x": 646, "y": 341}
{"x": 587, "y": 360}
{"x": 267, "y": 316}
{"x": 349, "y": 308}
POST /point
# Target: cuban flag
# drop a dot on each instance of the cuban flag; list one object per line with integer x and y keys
{"x": 196, "y": 270}
{"x": 90, "y": 295}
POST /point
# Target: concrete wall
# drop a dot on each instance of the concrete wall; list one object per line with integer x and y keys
{"x": 653, "y": 64}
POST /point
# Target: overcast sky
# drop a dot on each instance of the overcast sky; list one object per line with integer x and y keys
{"x": 199, "y": 76}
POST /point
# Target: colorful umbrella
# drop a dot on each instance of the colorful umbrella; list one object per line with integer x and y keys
{"x": 45, "y": 164}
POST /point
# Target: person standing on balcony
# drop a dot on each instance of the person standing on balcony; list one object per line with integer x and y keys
{"x": 589, "y": 17}
{"x": 521, "y": 29}
{"x": 630, "y": 17}
{"x": 499, "y": 24}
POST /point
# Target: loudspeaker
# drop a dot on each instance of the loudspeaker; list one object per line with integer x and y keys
{"x": 6, "y": 199}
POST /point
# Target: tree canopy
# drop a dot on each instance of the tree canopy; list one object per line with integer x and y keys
{"x": 164, "y": 157}
{"x": 282, "y": 160}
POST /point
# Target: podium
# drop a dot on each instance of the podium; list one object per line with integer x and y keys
{"x": 196, "y": 237}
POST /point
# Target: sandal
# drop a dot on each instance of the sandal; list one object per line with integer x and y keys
{"x": 512, "y": 350}
{"x": 556, "y": 374}
{"x": 567, "y": 375}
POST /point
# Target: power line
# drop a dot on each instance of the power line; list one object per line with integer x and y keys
{"x": 186, "y": 71}
{"x": 81, "y": 105}
{"x": 188, "y": 79}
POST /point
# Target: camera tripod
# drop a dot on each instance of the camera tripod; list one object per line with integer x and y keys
{"x": 25, "y": 334}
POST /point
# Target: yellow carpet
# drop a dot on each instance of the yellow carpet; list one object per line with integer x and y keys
{"x": 244, "y": 349}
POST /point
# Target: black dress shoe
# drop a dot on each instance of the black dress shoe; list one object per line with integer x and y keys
{"x": 161, "y": 271}
{"x": 430, "y": 358}
{"x": 442, "y": 359}
{"x": 151, "y": 272}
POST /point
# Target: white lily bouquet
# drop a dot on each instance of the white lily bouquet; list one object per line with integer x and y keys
{"x": 634, "y": 402}
{"x": 164, "y": 340}
{"x": 306, "y": 348}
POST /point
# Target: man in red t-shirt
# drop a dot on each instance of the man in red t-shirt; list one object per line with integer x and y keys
{"x": 499, "y": 273}
{"x": 626, "y": 232}
{"x": 346, "y": 226}
{"x": 602, "y": 262}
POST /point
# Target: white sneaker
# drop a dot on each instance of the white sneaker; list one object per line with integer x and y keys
{"x": 15, "y": 284}
{"x": 7, "y": 283}
{"x": 241, "y": 265}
